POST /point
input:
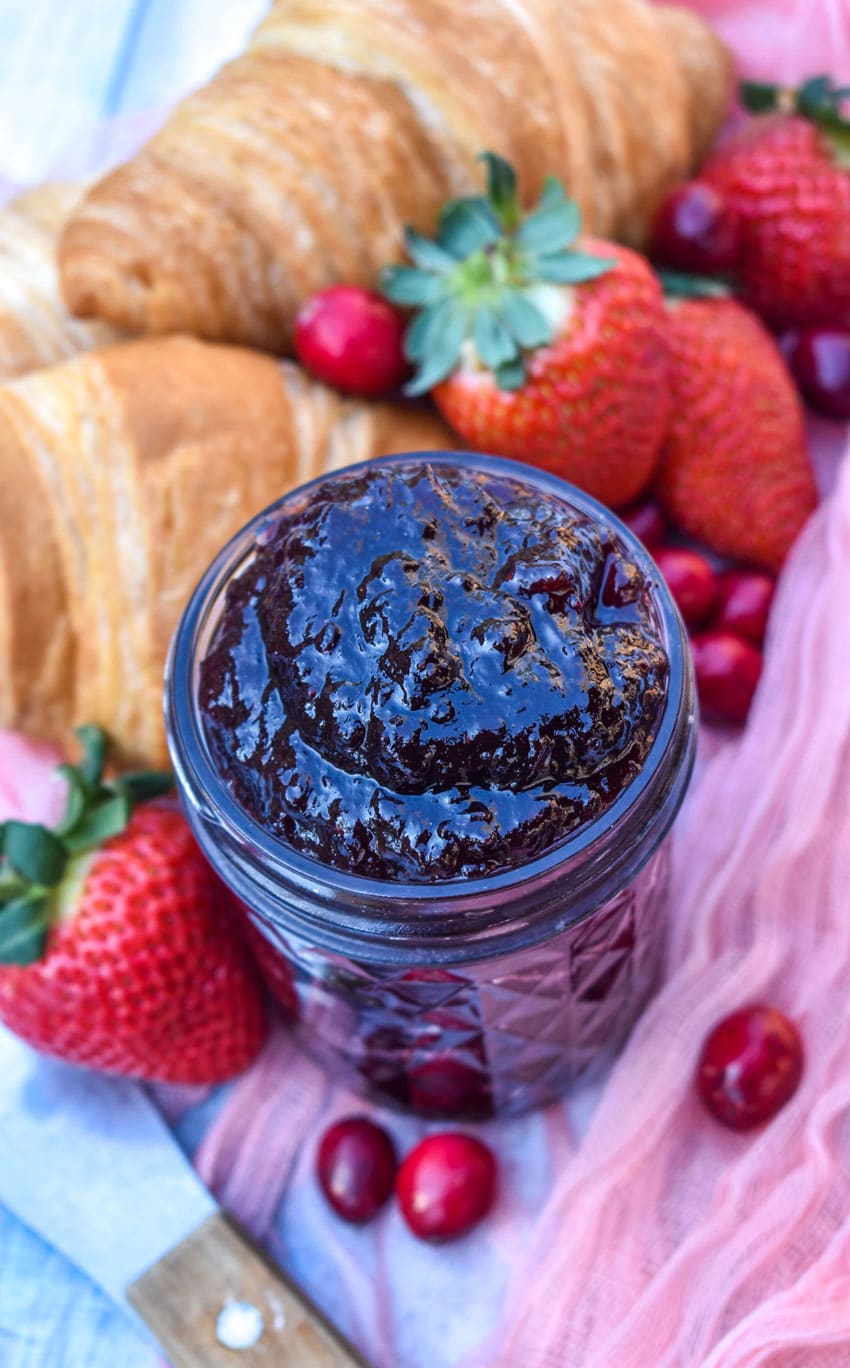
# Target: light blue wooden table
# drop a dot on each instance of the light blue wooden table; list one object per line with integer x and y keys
{"x": 65, "y": 66}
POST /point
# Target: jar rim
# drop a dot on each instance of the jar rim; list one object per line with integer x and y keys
{"x": 200, "y": 777}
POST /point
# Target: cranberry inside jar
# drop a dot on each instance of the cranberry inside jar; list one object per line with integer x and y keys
{"x": 432, "y": 717}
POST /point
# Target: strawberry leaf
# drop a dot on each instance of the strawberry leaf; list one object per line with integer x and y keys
{"x": 820, "y": 95}
{"x": 34, "y": 860}
{"x": 525, "y": 320}
{"x": 34, "y": 853}
{"x": 140, "y": 786}
{"x": 550, "y": 228}
{"x": 759, "y": 96}
{"x": 685, "y": 285}
{"x": 93, "y": 742}
{"x": 467, "y": 226}
{"x": 409, "y": 286}
{"x": 477, "y": 281}
{"x": 552, "y": 193}
{"x": 23, "y": 929}
{"x": 11, "y": 884}
{"x": 818, "y": 99}
{"x": 502, "y": 189}
{"x": 494, "y": 343}
{"x": 107, "y": 819}
{"x": 511, "y": 376}
{"x": 573, "y": 268}
{"x": 418, "y": 335}
{"x": 77, "y": 800}
{"x": 815, "y": 93}
{"x": 428, "y": 255}
{"x": 448, "y": 330}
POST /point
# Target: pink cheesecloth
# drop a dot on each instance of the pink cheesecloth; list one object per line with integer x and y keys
{"x": 631, "y": 1230}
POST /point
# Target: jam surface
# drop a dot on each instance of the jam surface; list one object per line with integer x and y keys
{"x": 425, "y": 671}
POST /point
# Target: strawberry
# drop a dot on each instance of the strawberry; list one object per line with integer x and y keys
{"x": 538, "y": 344}
{"x": 786, "y": 177}
{"x": 734, "y": 471}
{"x": 116, "y": 942}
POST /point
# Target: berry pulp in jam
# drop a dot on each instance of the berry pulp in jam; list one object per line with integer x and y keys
{"x": 431, "y": 672}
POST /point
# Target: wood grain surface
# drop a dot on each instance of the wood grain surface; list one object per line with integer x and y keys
{"x": 181, "y": 1298}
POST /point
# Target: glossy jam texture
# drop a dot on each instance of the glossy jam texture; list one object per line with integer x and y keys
{"x": 428, "y": 672}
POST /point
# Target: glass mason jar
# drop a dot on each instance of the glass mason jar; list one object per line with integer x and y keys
{"x": 462, "y": 998}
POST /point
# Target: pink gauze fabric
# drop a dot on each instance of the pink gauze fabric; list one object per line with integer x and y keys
{"x": 668, "y": 1241}
{"x": 783, "y": 40}
{"x": 30, "y": 789}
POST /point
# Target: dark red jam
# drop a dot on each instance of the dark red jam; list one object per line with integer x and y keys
{"x": 429, "y": 672}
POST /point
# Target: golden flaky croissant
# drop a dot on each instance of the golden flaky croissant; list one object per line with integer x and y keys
{"x": 35, "y": 326}
{"x": 125, "y": 472}
{"x": 345, "y": 119}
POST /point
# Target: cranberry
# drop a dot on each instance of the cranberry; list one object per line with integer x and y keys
{"x": 750, "y": 1066}
{"x": 384, "y": 1055}
{"x": 445, "y": 1062}
{"x": 690, "y": 579}
{"x": 727, "y": 671}
{"x": 647, "y": 522}
{"x": 439, "y": 977}
{"x": 443, "y": 1086}
{"x": 696, "y": 230}
{"x": 441, "y": 1082}
{"x": 446, "y": 1185}
{"x": 356, "y": 1166}
{"x": 744, "y": 603}
{"x": 819, "y": 359}
{"x": 352, "y": 339}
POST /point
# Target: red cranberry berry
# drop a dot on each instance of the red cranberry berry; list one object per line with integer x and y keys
{"x": 446, "y": 1185}
{"x": 744, "y": 603}
{"x": 356, "y": 1166}
{"x": 750, "y": 1066}
{"x": 443, "y": 1086}
{"x": 727, "y": 670}
{"x": 696, "y": 230}
{"x": 384, "y": 1056}
{"x": 819, "y": 359}
{"x": 647, "y": 522}
{"x": 690, "y": 579}
{"x": 448, "y": 1070}
{"x": 352, "y": 339}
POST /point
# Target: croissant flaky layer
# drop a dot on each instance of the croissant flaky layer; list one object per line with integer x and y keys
{"x": 125, "y": 472}
{"x": 298, "y": 165}
{"x": 35, "y": 326}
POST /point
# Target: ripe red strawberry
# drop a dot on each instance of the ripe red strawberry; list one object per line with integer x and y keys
{"x": 116, "y": 939}
{"x": 733, "y": 471}
{"x": 786, "y": 176}
{"x": 539, "y": 345}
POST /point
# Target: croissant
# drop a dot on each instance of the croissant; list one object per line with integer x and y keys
{"x": 35, "y": 327}
{"x": 125, "y": 472}
{"x": 300, "y": 162}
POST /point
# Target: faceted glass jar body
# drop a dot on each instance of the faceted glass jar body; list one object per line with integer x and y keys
{"x": 460, "y": 998}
